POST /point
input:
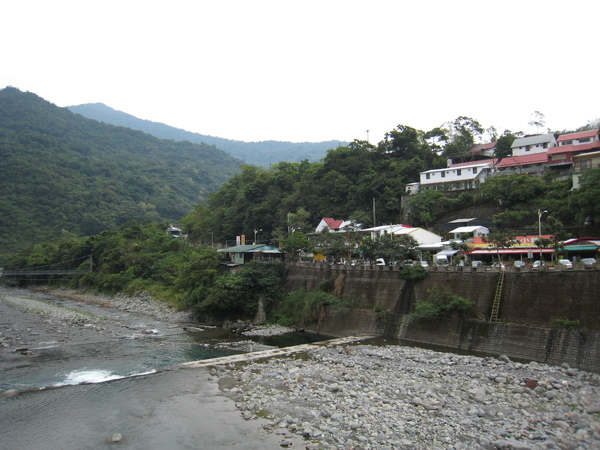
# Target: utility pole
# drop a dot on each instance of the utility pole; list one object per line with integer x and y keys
{"x": 374, "y": 215}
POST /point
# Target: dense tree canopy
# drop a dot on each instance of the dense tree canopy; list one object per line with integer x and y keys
{"x": 60, "y": 171}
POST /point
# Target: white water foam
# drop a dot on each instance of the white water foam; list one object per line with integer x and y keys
{"x": 95, "y": 376}
{"x": 88, "y": 376}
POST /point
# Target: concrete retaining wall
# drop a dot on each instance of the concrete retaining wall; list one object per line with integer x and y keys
{"x": 530, "y": 303}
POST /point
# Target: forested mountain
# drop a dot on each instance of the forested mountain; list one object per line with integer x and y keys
{"x": 61, "y": 172}
{"x": 262, "y": 153}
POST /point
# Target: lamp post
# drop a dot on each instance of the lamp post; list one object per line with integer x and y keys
{"x": 540, "y": 212}
{"x": 256, "y": 231}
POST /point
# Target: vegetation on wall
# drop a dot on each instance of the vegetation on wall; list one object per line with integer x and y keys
{"x": 443, "y": 303}
{"x": 300, "y": 308}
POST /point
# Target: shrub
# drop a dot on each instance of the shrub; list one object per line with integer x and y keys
{"x": 239, "y": 292}
{"x": 414, "y": 273}
{"x": 566, "y": 324}
{"x": 443, "y": 303}
{"x": 300, "y": 307}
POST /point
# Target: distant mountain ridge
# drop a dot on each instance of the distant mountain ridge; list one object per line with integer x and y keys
{"x": 262, "y": 153}
{"x": 61, "y": 172}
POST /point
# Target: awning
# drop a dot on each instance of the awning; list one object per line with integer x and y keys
{"x": 510, "y": 251}
{"x": 447, "y": 252}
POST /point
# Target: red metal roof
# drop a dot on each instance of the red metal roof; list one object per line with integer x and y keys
{"x": 579, "y": 135}
{"x": 536, "y": 158}
{"x": 574, "y": 148}
{"x": 332, "y": 223}
{"x": 479, "y": 147}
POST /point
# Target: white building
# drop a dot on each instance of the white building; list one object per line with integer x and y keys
{"x": 473, "y": 231}
{"x": 413, "y": 188}
{"x": 333, "y": 225}
{"x": 540, "y": 143}
{"x": 583, "y": 162}
{"x": 421, "y": 235}
{"x": 467, "y": 175}
{"x": 581, "y": 137}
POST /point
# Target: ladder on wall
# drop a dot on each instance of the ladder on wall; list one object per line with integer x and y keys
{"x": 497, "y": 297}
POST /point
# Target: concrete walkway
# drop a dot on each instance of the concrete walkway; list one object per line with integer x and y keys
{"x": 245, "y": 357}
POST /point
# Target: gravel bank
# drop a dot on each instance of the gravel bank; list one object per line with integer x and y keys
{"x": 392, "y": 397}
{"x": 139, "y": 304}
{"x": 31, "y": 321}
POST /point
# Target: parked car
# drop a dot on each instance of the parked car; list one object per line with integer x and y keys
{"x": 499, "y": 264}
{"x": 519, "y": 264}
{"x": 380, "y": 262}
{"x": 565, "y": 262}
{"x": 538, "y": 264}
{"x": 424, "y": 263}
{"x": 408, "y": 263}
{"x": 476, "y": 263}
{"x": 588, "y": 262}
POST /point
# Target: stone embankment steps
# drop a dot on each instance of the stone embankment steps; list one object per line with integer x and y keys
{"x": 253, "y": 356}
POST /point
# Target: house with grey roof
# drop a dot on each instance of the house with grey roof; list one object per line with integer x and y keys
{"x": 528, "y": 145}
{"x": 241, "y": 254}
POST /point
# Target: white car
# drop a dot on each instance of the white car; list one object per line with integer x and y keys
{"x": 565, "y": 262}
{"x": 538, "y": 264}
{"x": 588, "y": 262}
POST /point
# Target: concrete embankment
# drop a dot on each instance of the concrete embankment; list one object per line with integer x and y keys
{"x": 531, "y": 304}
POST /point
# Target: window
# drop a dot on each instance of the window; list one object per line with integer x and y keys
{"x": 527, "y": 148}
{"x": 458, "y": 171}
{"x": 545, "y": 145}
{"x": 427, "y": 176}
{"x": 474, "y": 169}
{"x": 443, "y": 174}
{"x": 582, "y": 140}
{"x": 585, "y": 164}
{"x": 567, "y": 142}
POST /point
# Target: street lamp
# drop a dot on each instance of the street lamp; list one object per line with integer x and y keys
{"x": 256, "y": 231}
{"x": 540, "y": 212}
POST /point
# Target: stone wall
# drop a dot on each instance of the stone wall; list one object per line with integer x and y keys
{"x": 530, "y": 302}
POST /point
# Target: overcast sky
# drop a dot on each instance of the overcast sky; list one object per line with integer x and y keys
{"x": 310, "y": 70}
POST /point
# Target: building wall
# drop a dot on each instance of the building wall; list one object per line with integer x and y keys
{"x": 451, "y": 175}
{"x": 530, "y": 149}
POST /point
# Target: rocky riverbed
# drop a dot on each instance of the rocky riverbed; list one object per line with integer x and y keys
{"x": 388, "y": 397}
{"x": 360, "y": 396}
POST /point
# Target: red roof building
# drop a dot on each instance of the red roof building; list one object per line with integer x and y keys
{"x": 572, "y": 144}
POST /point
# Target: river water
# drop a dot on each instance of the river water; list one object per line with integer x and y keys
{"x": 80, "y": 395}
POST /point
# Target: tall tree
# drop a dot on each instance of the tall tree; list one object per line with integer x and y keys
{"x": 464, "y": 131}
{"x": 538, "y": 120}
{"x": 504, "y": 145}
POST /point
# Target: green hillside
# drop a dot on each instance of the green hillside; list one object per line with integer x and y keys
{"x": 262, "y": 153}
{"x": 61, "y": 172}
